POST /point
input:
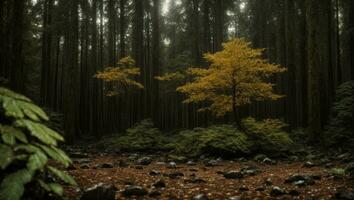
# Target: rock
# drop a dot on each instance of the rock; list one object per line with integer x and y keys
{"x": 200, "y": 197}
{"x": 300, "y": 180}
{"x": 195, "y": 181}
{"x": 269, "y": 161}
{"x": 242, "y": 159}
{"x": 144, "y": 161}
{"x": 294, "y": 193}
{"x": 277, "y": 191}
{"x": 259, "y": 157}
{"x": 309, "y": 164}
{"x": 212, "y": 163}
{"x": 260, "y": 189}
{"x": 123, "y": 164}
{"x": 106, "y": 165}
{"x": 234, "y": 198}
{"x": 243, "y": 189}
{"x": 316, "y": 177}
{"x": 161, "y": 163}
{"x": 344, "y": 194}
{"x": 85, "y": 166}
{"x": 134, "y": 191}
{"x": 159, "y": 184}
{"x": 172, "y": 165}
{"x": 154, "y": 173}
{"x": 191, "y": 163}
{"x": 294, "y": 158}
{"x": 233, "y": 175}
{"x": 175, "y": 175}
{"x": 251, "y": 170}
{"x": 268, "y": 182}
{"x": 99, "y": 192}
{"x": 82, "y": 161}
{"x": 78, "y": 155}
{"x": 154, "y": 193}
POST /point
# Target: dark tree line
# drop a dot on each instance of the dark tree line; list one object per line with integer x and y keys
{"x": 51, "y": 49}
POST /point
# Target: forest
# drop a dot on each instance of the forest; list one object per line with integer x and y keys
{"x": 176, "y": 99}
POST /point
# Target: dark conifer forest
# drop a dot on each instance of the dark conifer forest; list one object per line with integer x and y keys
{"x": 176, "y": 99}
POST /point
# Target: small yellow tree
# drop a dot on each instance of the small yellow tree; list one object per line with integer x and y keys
{"x": 120, "y": 78}
{"x": 237, "y": 75}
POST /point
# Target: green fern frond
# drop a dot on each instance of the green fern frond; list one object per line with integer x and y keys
{"x": 62, "y": 175}
{"x": 12, "y": 187}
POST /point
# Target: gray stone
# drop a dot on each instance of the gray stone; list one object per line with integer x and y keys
{"x": 144, "y": 161}
{"x": 159, "y": 184}
{"x": 277, "y": 191}
{"x": 172, "y": 165}
{"x": 134, "y": 191}
{"x": 154, "y": 173}
{"x": 233, "y": 175}
{"x": 200, "y": 197}
{"x": 344, "y": 194}
{"x": 99, "y": 192}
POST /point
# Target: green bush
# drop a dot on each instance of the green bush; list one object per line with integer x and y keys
{"x": 223, "y": 140}
{"x": 268, "y": 135}
{"x": 340, "y": 130}
{"x": 26, "y": 147}
{"x": 143, "y": 136}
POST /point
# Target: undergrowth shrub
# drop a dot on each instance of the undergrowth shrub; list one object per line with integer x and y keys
{"x": 340, "y": 130}
{"x": 143, "y": 136}
{"x": 223, "y": 140}
{"x": 268, "y": 135}
{"x": 26, "y": 148}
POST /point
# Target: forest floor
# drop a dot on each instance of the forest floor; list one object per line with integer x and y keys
{"x": 139, "y": 176}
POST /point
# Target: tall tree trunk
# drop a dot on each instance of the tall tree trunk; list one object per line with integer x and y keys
{"x": 314, "y": 87}
{"x": 156, "y": 40}
{"x": 138, "y": 54}
{"x": 17, "y": 75}
{"x": 71, "y": 71}
{"x": 348, "y": 43}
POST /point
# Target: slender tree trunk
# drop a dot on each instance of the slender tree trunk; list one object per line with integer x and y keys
{"x": 156, "y": 41}
{"x": 17, "y": 75}
{"x": 314, "y": 88}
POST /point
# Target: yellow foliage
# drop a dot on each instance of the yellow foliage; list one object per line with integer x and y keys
{"x": 121, "y": 77}
{"x": 237, "y": 75}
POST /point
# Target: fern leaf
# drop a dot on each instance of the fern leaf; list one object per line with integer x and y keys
{"x": 12, "y": 187}
{"x": 10, "y": 133}
{"x": 41, "y": 132}
{"x": 11, "y": 94}
{"x": 52, "y": 187}
{"x": 37, "y": 161}
{"x": 33, "y": 112}
{"x": 56, "y": 154}
{"x": 62, "y": 175}
{"x": 7, "y": 156}
{"x": 11, "y": 108}
{"x": 28, "y": 148}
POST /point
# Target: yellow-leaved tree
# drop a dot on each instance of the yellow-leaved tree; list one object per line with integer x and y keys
{"x": 237, "y": 75}
{"x": 120, "y": 78}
